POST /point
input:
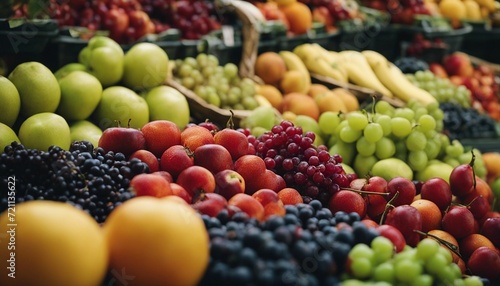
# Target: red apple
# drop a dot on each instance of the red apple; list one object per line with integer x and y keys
{"x": 161, "y": 135}
{"x": 438, "y": 70}
{"x": 229, "y": 183}
{"x": 150, "y": 185}
{"x": 214, "y": 157}
{"x": 458, "y": 63}
{"x": 122, "y": 139}
{"x": 148, "y": 158}
{"x": 117, "y": 22}
{"x": 209, "y": 203}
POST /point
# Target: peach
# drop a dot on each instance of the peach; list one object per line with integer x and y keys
{"x": 290, "y": 196}
{"x": 299, "y": 17}
{"x": 300, "y": 104}
{"x": 293, "y": 81}
{"x": 330, "y": 101}
{"x": 431, "y": 214}
{"x": 175, "y": 159}
{"x": 249, "y": 167}
{"x": 160, "y": 135}
{"x": 450, "y": 239}
{"x": 195, "y": 136}
{"x": 147, "y": 157}
{"x": 248, "y": 204}
{"x": 351, "y": 102}
{"x": 266, "y": 180}
{"x": 317, "y": 88}
{"x": 178, "y": 190}
{"x": 150, "y": 185}
{"x": 271, "y": 93}
{"x": 214, "y": 157}
{"x": 234, "y": 141}
{"x": 270, "y": 67}
{"x": 472, "y": 242}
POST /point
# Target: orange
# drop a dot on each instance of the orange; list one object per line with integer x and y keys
{"x": 299, "y": 17}
{"x": 270, "y": 67}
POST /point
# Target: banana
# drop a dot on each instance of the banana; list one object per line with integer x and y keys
{"x": 316, "y": 62}
{"x": 360, "y": 72}
{"x": 293, "y": 62}
{"x": 395, "y": 80}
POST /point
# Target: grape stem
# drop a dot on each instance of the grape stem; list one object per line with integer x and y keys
{"x": 365, "y": 192}
{"x": 452, "y": 247}
{"x": 472, "y": 160}
{"x": 230, "y": 122}
{"x": 387, "y": 206}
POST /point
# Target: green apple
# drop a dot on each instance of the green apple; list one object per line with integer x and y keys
{"x": 42, "y": 130}
{"x": 68, "y": 68}
{"x": 80, "y": 95}
{"x": 7, "y": 136}
{"x": 37, "y": 86}
{"x": 346, "y": 150}
{"x": 435, "y": 168}
{"x": 390, "y": 168}
{"x": 120, "y": 105}
{"x": 84, "y": 130}
{"x": 495, "y": 187}
{"x": 167, "y": 103}
{"x": 347, "y": 169}
{"x": 262, "y": 116}
{"x": 364, "y": 164}
{"x": 103, "y": 57}
{"x": 11, "y": 102}
{"x": 307, "y": 123}
{"x": 145, "y": 66}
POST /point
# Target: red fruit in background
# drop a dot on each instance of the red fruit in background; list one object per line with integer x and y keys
{"x": 248, "y": 204}
{"x": 150, "y": 185}
{"x": 116, "y": 22}
{"x": 462, "y": 180}
{"x": 347, "y": 201}
{"x": 234, "y": 141}
{"x": 322, "y": 15}
{"x": 438, "y": 191}
{"x": 405, "y": 189}
{"x": 209, "y": 203}
{"x": 175, "y": 160}
{"x": 485, "y": 262}
{"x": 438, "y": 70}
{"x": 123, "y": 140}
{"x": 229, "y": 183}
{"x": 214, "y": 157}
{"x": 458, "y": 221}
{"x": 161, "y": 135}
{"x": 406, "y": 219}
{"x": 458, "y": 63}
{"x": 148, "y": 158}
{"x": 212, "y": 127}
{"x": 196, "y": 179}
{"x": 178, "y": 190}
{"x": 491, "y": 229}
{"x": 195, "y": 136}
{"x": 393, "y": 234}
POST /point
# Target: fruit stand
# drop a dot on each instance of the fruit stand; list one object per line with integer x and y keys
{"x": 238, "y": 142}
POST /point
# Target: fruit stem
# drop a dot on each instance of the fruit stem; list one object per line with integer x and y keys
{"x": 452, "y": 247}
{"x": 387, "y": 206}
{"x": 128, "y": 123}
{"x": 472, "y": 160}
{"x": 365, "y": 192}
{"x": 230, "y": 122}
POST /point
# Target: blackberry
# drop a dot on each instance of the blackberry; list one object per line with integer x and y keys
{"x": 83, "y": 176}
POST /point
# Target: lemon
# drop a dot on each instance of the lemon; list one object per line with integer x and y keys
{"x": 11, "y": 102}
{"x": 38, "y": 88}
{"x": 53, "y": 243}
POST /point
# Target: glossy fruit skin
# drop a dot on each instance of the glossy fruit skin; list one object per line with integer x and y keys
{"x": 229, "y": 183}
{"x": 462, "y": 180}
{"x": 209, "y": 203}
{"x": 438, "y": 191}
{"x": 123, "y": 140}
{"x": 407, "y": 219}
{"x": 458, "y": 221}
{"x": 485, "y": 262}
{"x": 214, "y": 157}
{"x": 234, "y": 141}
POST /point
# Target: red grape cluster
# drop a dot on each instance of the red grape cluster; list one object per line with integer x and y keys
{"x": 290, "y": 152}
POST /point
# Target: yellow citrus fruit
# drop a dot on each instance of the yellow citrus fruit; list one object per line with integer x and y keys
{"x": 11, "y": 102}
{"x": 155, "y": 241}
{"x": 38, "y": 88}
{"x": 51, "y": 243}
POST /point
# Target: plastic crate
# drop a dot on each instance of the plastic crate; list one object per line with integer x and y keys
{"x": 383, "y": 39}
{"x": 22, "y": 36}
{"x": 481, "y": 36}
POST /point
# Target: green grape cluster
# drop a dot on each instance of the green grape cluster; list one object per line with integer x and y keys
{"x": 411, "y": 133}
{"x": 441, "y": 88}
{"x": 217, "y": 84}
{"x": 428, "y": 263}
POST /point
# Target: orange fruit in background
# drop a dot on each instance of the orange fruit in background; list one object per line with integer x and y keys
{"x": 330, "y": 101}
{"x": 270, "y": 67}
{"x": 300, "y": 104}
{"x": 299, "y": 17}
{"x": 55, "y": 244}
{"x": 317, "y": 88}
{"x": 293, "y": 81}
{"x": 351, "y": 102}
{"x": 271, "y": 93}
{"x": 157, "y": 241}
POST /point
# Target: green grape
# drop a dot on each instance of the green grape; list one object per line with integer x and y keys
{"x": 207, "y": 71}
{"x": 455, "y": 149}
{"x": 230, "y": 70}
{"x": 407, "y": 270}
{"x": 446, "y": 253}
{"x": 384, "y": 272}
{"x": 362, "y": 165}
{"x": 432, "y": 149}
{"x": 404, "y": 112}
{"x": 432, "y": 106}
{"x": 192, "y": 62}
{"x": 202, "y": 60}
{"x": 349, "y": 135}
{"x": 339, "y": 127}
{"x": 439, "y": 126}
{"x": 423, "y": 280}
{"x": 250, "y": 103}
{"x": 188, "y": 82}
{"x": 348, "y": 150}
{"x": 328, "y": 121}
{"x": 430, "y": 86}
{"x": 416, "y": 140}
{"x": 385, "y": 122}
{"x": 426, "y": 123}
{"x": 383, "y": 249}
{"x": 238, "y": 106}
{"x": 222, "y": 88}
{"x": 373, "y": 132}
{"x": 426, "y": 248}
{"x": 357, "y": 120}
{"x": 417, "y": 160}
{"x": 473, "y": 281}
{"x": 408, "y": 253}
{"x": 233, "y": 98}
{"x": 184, "y": 70}
{"x": 420, "y": 76}
{"x": 212, "y": 60}
{"x": 198, "y": 77}
{"x": 466, "y": 156}
{"x": 361, "y": 268}
{"x": 458, "y": 282}
{"x": 401, "y": 150}
{"x": 400, "y": 127}
{"x": 384, "y": 107}
{"x": 420, "y": 111}
{"x": 451, "y": 161}
{"x": 361, "y": 250}
{"x": 437, "y": 114}
{"x": 431, "y": 134}
{"x": 446, "y": 275}
{"x": 385, "y": 148}
{"x": 428, "y": 75}
{"x": 364, "y": 147}
{"x": 332, "y": 140}
{"x": 435, "y": 263}
{"x": 223, "y": 100}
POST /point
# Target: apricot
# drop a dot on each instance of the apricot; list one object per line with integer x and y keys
{"x": 330, "y": 101}
{"x": 472, "y": 242}
{"x": 248, "y": 204}
{"x": 272, "y": 94}
{"x": 350, "y": 100}
{"x": 290, "y": 196}
{"x": 293, "y": 81}
{"x": 270, "y": 67}
{"x": 196, "y": 136}
{"x": 443, "y": 235}
{"x": 431, "y": 214}
{"x": 317, "y": 88}
{"x": 299, "y": 17}
{"x": 300, "y": 104}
